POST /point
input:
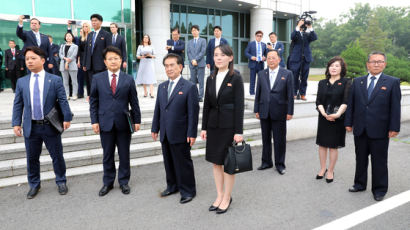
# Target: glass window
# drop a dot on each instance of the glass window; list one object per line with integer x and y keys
{"x": 242, "y": 25}
{"x": 110, "y": 10}
{"x": 230, "y": 23}
{"x": 282, "y": 29}
{"x": 182, "y": 19}
{"x": 248, "y": 26}
{"x": 127, "y": 11}
{"x": 235, "y": 50}
{"x": 17, "y": 7}
{"x": 197, "y": 16}
{"x": 244, "y": 44}
{"x": 175, "y": 16}
{"x": 274, "y": 25}
{"x": 218, "y": 18}
{"x": 53, "y": 8}
{"x": 211, "y": 21}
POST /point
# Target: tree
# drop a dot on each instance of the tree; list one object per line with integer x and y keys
{"x": 398, "y": 68}
{"x": 355, "y": 59}
{"x": 374, "y": 38}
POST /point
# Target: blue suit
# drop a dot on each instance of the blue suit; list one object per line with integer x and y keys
{"x": 109, "y": 111}
{"x": 273, "y": 105}
{"x": 371, "y": 120}
{"x": 210, "y": 51}
{"x": 300, "y": 59}
{"x": 254, "y": 66}
{"x": 121, "y": 44}
{"x": 179, "y": 48}
{"x": 35, "y": 134}
{"x": 29, "y": 39}
{"x": 176, "y": 119}
{"x": 197, "y": 52}
{"x": 280, "y": 48}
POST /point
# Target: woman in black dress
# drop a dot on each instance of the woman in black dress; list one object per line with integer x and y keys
{"x": 331, "y": 102}
{"x": 222, "y": 121}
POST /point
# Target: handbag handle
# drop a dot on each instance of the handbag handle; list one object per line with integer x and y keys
{"x": 243, "y": 144}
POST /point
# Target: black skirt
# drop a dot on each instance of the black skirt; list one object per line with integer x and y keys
{"x": 217, "y": 143}
{"x": 330, "y": 134}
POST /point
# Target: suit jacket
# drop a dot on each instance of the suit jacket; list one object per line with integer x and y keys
{"x": 378, "y": 115}
{"x": 197, "y": 52}
{"x": 301, "y": 45}
{"x": 177, "y": 118}
{"x": 93, "y": 59}
{"x": 178, "y": 48}
{"x": 210, "y": 50}
{"x": 108, "y": 109}
{"x": 226, "y": 110}
{"x": 72, "y": 54}
{"x": 278, "y": 101}
{"x": 280, "y": 48}
{"x": 11, "y": 64}
{"x": 53, "y": 93}
{"x": 251, "y": 51}
{"x": 29, "y": 39}
{"x": 120, "y": 44}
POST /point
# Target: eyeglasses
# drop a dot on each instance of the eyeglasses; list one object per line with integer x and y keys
{"x": 376, "y": 62}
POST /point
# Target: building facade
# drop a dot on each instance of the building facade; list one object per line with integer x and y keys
{"x": 239, "y": 21}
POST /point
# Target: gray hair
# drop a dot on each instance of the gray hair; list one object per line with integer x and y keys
{"x": 377, "y": 53}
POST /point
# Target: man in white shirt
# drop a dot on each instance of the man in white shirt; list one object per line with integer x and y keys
{"x": 196, "y": 55}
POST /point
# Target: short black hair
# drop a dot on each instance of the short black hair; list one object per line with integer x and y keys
{"x": 258, "y": 32}
{"x": 50, "y": 36}
{"x": 97, "y": 16}
{"x": 272, "y": 33}
{"x": 11, "y": 40}
{"x": 275, "y": 51}
{"x": 195, "y": 26}
{"x": 36, "y": 50}
{"x": 36, "y": 20}
{"x": 217, "y": 27}
{"x": 65, "y": 35}
{"x": 175, "y": 29}
{"x": 172, "y": 55}
{"x": 112, "y": 49}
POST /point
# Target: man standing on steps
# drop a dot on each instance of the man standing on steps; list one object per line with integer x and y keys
{"x": 176, "y": 118}
{"x": 112, "y": 92}
{"x": 36, "y": 94}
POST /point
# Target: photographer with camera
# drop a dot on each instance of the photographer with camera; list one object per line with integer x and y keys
{"x": 300, "y": 55}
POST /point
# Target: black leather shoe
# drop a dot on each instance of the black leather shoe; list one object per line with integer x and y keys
{"x": 125, "y": 189}
{"x": 62, "y": 189}
{"x": 105, "y": 189}
{"x": 185, "y": 200}
{"x": 354, "y": 189}
{"x": 321, "y": 177}
{"x": 281, "y": 171}
{"x": 166, "y": 192}
{"x": 212, "y": 208}
{"x": 330, "y": 180}
{"x": 378, "y": 197}
{"x": 221, "y": 211}
{"x": 33, "y": 192}
{"x": 264, "y": 166}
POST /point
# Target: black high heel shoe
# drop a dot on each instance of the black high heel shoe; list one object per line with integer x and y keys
{"x": 330, "y": 180}
{"x": 212, "y": 208}
{"x": 321, "y": 177}
{"x": 221, "y": 211}
{"x": 151, "y": 96}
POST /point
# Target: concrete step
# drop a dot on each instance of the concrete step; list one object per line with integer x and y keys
{"x": 17, "y": 150}
{"x": 92, "y": 156}
{"x": 84, "y": 128}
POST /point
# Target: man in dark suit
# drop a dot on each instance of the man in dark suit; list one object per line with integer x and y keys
{"x": 119, "y": 42}
{"x": 373, "y": 112}
{"x": 55, "y": 49}
{"x": 35, "y": 38}
{"x": 274, "y": 44}
{"x": 97, "y": 41}
{"x": 13, "y": 63}
{"x": 300, "y": 58}
{"x": 196, "y": 55}
{"x": 112, "y": 92}
{"x": 274, "y": 106}
{"x": 175, "y": 45}
{"x": 214, "y": 42}
{"x": 256, "y": 53}
{"x": 176, "y": 118}
{"x": 36, "y": 94}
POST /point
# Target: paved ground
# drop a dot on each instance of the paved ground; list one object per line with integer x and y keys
{"x": 261, "y": 199}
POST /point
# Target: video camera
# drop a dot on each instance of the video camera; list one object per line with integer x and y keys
{"x": 307, "y": 18}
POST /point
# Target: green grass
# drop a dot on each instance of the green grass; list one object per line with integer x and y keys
{"x": 316, "y": 77}
{"x": 405, "y": 83}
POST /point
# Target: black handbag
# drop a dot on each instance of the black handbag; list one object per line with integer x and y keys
{"x": 56, "y": 118}
{"x": 239, "y": 158}
{"x": 130, "y": 120}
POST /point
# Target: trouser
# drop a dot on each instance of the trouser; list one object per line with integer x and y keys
{"x": 277, "y": 129}
{"x": 197, "y": 76}
{"x": 66, "y": 76}
{"x": 300, "y": 72}
{"x": 252, "y": 79}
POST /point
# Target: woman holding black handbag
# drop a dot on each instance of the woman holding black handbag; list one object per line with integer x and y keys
{"x": 331, "y": 102}
{"x": 222, "y": 121}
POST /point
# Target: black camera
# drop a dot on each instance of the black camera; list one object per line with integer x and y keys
{"x": 307, "y": 18}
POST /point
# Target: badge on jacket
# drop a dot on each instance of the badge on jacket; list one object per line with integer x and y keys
{"x": 283, "y": 78}
{"x": 229, "y": 85}
{"x": 383, "y": 88}
{"x": 180, "y": 93}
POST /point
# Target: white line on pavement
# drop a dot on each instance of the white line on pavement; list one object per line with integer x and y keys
{"x": 367, "y": 213}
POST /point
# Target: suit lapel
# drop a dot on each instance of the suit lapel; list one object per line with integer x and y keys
{"x": 377, "y": 87}
{"x": 120, "y": 83}
{"x": 175, "y": 91}
{"x": 363, "y": 86}
{"x": 107, "y": 82}
{"x": 224, "y": 84}
{"x": 33, "y": 36}
{"x": 27, "y": 89}
{"x": 47, "y": 82}
{"x": 278, "y": 78}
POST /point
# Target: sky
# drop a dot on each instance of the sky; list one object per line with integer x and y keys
{"x": 331, "y": 9}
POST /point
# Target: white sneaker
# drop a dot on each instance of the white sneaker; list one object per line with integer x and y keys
{"x": 75, "y": 98}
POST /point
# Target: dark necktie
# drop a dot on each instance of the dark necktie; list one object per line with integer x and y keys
{"x": 371, "y": 87}
{"x": 93, "y": 41}
{"x": 37, "y": 114}
{"x": 113, "y": 83}
{"x": 171, "y": 83}
{"x": 113, "y": 39}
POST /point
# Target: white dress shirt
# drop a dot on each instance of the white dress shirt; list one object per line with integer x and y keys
{"x": 219, "y": 79}
{"x": 375, "y": 80}
{"x": 175, "y": 83}
{"x": 258, "y": 54}
{"x": 273, "y": 73}
{"x": 41, "y": 77}
{"x": 117, "y": 77}
{"x": 217, "y": 41}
